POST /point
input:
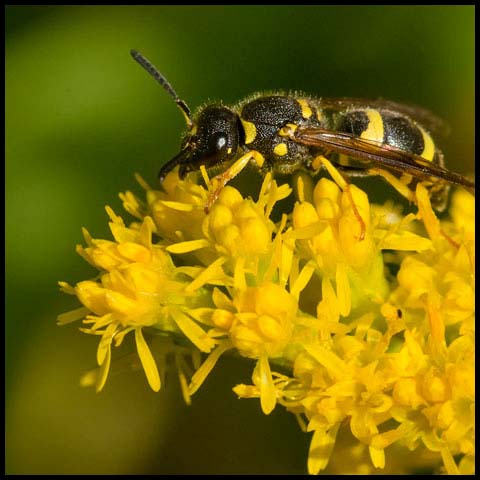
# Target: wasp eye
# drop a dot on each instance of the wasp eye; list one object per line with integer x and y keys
{"x": 221, "y": 142}
{"x": 218, "y": 142}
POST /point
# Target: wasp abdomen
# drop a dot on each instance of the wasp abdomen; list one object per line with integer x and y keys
{"x": 388, "y": 128}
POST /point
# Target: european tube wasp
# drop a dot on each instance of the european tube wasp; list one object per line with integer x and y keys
{"x": 286, "y": 132}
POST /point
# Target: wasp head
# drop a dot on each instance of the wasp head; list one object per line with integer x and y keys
{"x": 212, "y": 140}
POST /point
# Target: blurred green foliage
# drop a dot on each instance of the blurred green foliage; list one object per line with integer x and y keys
{"x": 82, "y": 117}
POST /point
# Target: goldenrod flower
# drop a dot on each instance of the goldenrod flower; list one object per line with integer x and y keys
{"x": 138, "y": 287}
{"x": 369, "y": 313}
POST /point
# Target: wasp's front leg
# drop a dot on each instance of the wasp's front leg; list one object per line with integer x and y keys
{"x": 218, "y": 182}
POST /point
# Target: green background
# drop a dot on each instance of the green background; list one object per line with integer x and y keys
{"x": 82, "y": 117}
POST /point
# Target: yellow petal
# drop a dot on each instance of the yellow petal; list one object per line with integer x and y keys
{"x": 201, "y": 374}
{"x": 449, "y": 462}
{"x": 239, "y": 281}
{"x": 321, "y": 447}
{"x": 221, "y": 300}
{"x": 190, "y": 246}
{"x": 435, "y": 317}
{"x": 383, "y": 440}
{"x": 113, "y": 216}
{"x": 192, "y": 331}
{"x": 335, "y": 365}
{"x": 302, "y": 280}
{"x": 148, "y": 362}
{"x": 377, "y": 456}
{"x": 66, "y": 288}
{"x": 104, "y": 368}
{"x": 343, "y": 290}
{"x": 181, "y": 207}
{"x": 103, "y": 348}
{"x": 286, "y": 259}
{"x": 264, "y": 380}
{"x": 92, "y": 296}
{"x": 212, "y": 272}
{"x": 134, "y": 252}
{"x": 405, "y": 241}
{"x": 183, "y": 385}
{"x": 327, "y": 309}
{"x": 432, "y": 225}
{"x": 121, "y": 303}
{"x": 72, "y": 316}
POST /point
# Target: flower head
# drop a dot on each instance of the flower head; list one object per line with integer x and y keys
{"x": 357, "y": 317}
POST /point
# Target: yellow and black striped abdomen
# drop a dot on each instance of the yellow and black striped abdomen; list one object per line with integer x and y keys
{"x": 389, "y": 128}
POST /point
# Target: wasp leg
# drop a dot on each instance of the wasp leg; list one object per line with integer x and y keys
{"x": 396, "y": 183}
{"x": 320, "y": 160}
{"x": 222, "y": 179}
{"x": 450, "y": 240}
{"x": 438, "y": 188}
{"x": 438, "y": 191}
{"x": 353, "y": 172}
{"x": 441, "y": 191}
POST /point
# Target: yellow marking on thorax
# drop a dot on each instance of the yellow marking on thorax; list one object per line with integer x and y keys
{"x": 319, "y": 115}
{"x": 429, "y": 147}
{"x": 306, "y": 110}
{"x": 374, "y": 130}
{"x": 288, "y": 130}
{"x": 281, "y": 149}
{"x": 250, "y": 131}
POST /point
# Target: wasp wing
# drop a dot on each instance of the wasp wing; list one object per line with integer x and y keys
{"x": 369, "y": 152}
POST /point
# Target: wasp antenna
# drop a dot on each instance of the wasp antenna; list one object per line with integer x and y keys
{"x": 153, "y": 71}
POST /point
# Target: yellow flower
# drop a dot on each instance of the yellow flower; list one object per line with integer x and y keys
{"x": 263, "y": 320}
{"x": 359, "y": 319}
{"x": 138, "y": 287}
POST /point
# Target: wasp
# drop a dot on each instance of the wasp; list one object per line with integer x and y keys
{"x": 287, "y": 132}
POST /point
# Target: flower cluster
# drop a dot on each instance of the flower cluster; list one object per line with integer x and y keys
{"x": 368, "y": 313}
